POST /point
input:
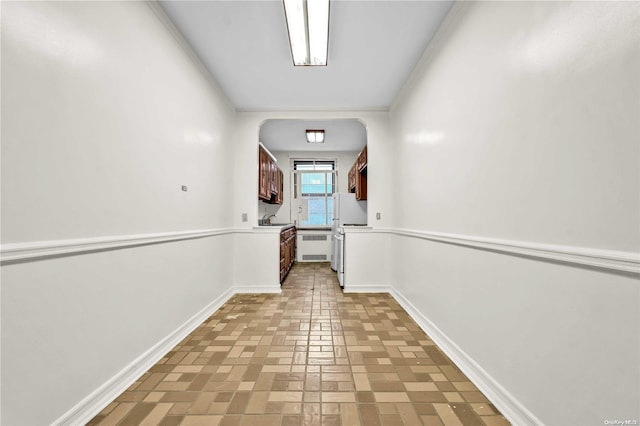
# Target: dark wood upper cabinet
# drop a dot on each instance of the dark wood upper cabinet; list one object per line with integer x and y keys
{"x": 270, "y": 179}
{"x": 279, "y": 186}
{"x": 361, "y": 163}
{"x": 358, "y": 176}
{"x": 264, "y": 174}
{"x": 352, "y": 179}
{"x": 274, "y": 178}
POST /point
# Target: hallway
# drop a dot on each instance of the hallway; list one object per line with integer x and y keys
{"x": 309, "y": 356}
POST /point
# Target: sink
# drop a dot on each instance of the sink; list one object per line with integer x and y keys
{"x": 276, "y": 224}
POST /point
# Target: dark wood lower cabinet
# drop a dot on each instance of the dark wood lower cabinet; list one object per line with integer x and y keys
{"x": 287, "y": 251}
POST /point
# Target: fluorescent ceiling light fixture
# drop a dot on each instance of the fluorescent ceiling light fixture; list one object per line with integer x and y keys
{"x": 315, "y": 136}
{"x": 308, "y": 25}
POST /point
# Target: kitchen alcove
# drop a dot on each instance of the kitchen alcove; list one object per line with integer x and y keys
{"x": 311, "y": 173}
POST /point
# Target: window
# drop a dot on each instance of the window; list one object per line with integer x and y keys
{"x": 314, "y": 182}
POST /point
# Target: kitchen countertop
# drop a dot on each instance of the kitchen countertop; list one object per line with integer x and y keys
{"x": 279, "y": 226}
{"x": 356, "y": 228}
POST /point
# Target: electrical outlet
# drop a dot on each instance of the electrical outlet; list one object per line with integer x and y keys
{"x": 245, "y": 217}
{"x": 184, "y": 188}
{"x": 378, "y": 216}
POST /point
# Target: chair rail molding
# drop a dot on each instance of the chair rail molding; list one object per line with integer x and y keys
{"x": 621, "y": 261}
{"x": 15, "y": 252}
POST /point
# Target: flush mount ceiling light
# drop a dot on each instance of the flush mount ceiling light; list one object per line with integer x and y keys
{"x": 308, "y": 25}
{"x": 315, "y": 136}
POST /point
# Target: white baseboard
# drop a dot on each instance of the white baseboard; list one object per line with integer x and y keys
{"x": 91, "y": 405}
{"x": 367, "y": 289}
{"x": 250, "y": 289}
{"x": 508, "y": 405}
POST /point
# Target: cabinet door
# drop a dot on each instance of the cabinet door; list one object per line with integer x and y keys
{"x": 287, "y": 251}
{"x": 279, "y": 186}
{"x": 273, "y": 181}
{"x": 283, "y": 255}
{"x": 287, "y": 256}
{"x": 362, "y": 160}
{"x": 294, "y": 234}
{"x": 361, "y": 186}
{"x": 360, "y": 175}
{"x": 352, "y": 179}
{"x": 264, "y": 172}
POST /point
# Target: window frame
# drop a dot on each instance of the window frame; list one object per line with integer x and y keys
{"x": 296, "y": 181}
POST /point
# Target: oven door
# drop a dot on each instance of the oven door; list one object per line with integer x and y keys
{"x": 334, "y": 251}
{"x": 339, "y": 258}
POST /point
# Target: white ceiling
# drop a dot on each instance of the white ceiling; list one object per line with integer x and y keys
{"x": 373, "y": 46}
{"x": 290, "y": 135}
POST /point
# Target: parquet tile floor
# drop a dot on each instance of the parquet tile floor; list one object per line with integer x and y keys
{"x": 308, "y": 356}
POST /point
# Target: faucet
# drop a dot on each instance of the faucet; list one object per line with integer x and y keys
{"x": 267, "y": 218}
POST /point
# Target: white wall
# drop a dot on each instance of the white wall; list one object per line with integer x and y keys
{"x": 104, "y": 117}
{"x": 368, "y": 266}
{"x": 521, "y": 123}
{"x": 257, "y": 260}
